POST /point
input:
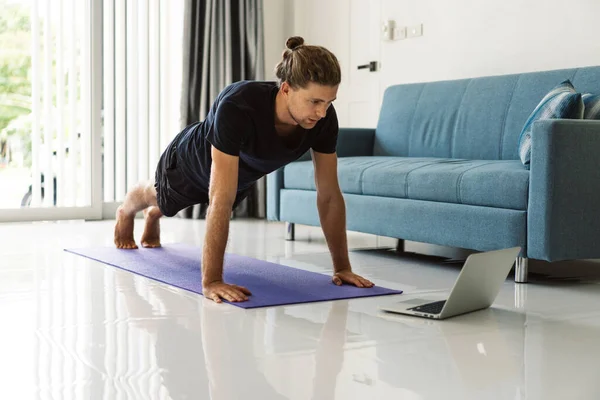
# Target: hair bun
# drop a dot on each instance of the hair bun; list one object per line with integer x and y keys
{"x": 293, "y": 42}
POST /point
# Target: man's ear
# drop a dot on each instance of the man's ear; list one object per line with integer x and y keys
{"x": 285, "y": 88}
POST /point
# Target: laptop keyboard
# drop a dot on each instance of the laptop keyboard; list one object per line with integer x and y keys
{"x": 430, "y": 308}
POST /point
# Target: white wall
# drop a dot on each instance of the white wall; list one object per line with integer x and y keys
{"x": 278, "y": 26}
{"x": 462, "y": 38}
{"x": 468, "y": 38}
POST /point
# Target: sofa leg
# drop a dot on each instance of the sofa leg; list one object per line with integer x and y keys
{"x": 400, "y": 246}
{"x": 289, "y": 231}
{"x": 521, "y": 269}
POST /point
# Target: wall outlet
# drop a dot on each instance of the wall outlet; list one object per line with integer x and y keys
{"x": 400, "y": 33}
{"x": 415, "y": 31}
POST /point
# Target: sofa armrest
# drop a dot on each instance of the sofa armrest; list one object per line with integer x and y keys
{"x": 564, "y": 191}
{"x": 274, "y": 185}
{"x": 355, "y": 142}
{"x": 352, "y": 142}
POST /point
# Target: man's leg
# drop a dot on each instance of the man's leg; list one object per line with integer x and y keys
{"x": 139, "y": 198}
{"x": 151, "y": 235}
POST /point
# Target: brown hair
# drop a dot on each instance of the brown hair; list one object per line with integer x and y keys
{"x": 302, "y": 64}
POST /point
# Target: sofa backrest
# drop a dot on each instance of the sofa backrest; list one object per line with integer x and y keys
{"x": 478, "y": 118}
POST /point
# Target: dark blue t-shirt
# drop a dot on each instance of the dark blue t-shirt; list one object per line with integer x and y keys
{"x": 241, "y": 122}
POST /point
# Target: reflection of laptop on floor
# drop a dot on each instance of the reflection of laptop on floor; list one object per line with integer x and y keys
{"x": 476, "y": 287}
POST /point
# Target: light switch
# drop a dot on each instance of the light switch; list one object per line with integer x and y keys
{"x": 415, "y": 30}
{"x": 391, "y": 31}
{"x": 388, "y": 30}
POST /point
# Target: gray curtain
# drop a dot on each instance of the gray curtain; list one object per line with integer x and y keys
{"x": 223, "y": 43}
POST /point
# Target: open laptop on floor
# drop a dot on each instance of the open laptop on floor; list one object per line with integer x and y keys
{"x": 476, "y": 287}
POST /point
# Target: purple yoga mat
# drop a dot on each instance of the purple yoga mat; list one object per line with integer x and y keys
{"x": 271, "y": 284}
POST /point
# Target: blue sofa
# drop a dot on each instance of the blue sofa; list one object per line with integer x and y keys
{"x": 442, "y": 167}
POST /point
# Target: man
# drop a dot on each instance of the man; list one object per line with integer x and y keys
{"x": 252, "y": 129}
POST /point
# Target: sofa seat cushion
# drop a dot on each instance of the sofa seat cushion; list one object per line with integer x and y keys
{"x": 301, "y": 175}
{"x": 491, "y": 183}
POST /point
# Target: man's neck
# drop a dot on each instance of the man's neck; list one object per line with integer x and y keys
{"x": 282, "y": 115}
{"x": 284, "y": 123}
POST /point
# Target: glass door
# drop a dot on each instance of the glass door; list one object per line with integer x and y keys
{"x": 50, "y": 109}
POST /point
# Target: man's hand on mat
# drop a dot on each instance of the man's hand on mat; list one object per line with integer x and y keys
{"x": 219, "y": 291}
{"x": 351, "y": 278}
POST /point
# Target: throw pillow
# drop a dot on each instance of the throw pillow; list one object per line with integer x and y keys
{"x": 561, "y": 102}
{"x": 592, "y": 106}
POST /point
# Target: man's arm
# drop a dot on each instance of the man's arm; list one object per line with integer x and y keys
{"x": 332, "y": 213}
{"x": 222, "y": 192}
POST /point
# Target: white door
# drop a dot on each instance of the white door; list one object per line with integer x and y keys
{"x": 50, "y": 140}
{"x": 362, "y": 91}
{"x": 351, "y": 29}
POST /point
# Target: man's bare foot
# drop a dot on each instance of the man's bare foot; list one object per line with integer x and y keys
{"x": 124, "y": 231}
{"x": 151, "y": 235}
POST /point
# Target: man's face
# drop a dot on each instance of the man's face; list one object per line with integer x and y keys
{"x": 308, "y": 105}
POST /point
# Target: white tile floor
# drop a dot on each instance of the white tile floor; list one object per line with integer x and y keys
{"x": 76, "y": 329}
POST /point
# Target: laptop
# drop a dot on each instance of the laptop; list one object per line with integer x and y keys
{"x": 476, "y": 287}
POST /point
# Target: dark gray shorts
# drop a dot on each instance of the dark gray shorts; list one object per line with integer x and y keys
{"x": 174, "y": 193}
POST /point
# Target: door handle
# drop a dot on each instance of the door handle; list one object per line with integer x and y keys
{"x": 372, "y": 66}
